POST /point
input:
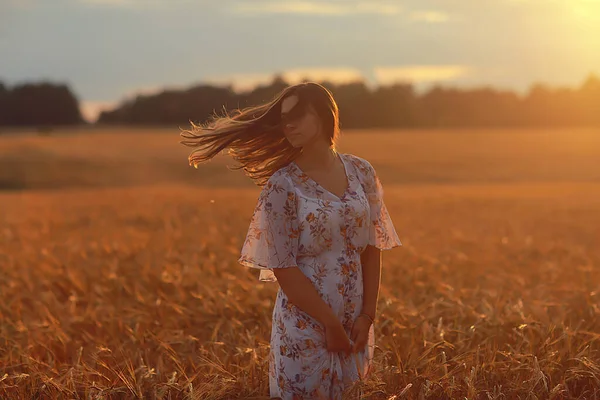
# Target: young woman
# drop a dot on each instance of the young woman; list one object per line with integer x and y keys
{"x": 318, "y": 229}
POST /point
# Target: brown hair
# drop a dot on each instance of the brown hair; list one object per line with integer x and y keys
{"x": 254, "y": 135}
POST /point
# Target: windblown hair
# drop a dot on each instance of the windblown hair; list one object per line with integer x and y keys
{"x": 254, "y": 135}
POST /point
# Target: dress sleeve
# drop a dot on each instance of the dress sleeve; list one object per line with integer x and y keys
{"x": 382, "y": 233}
{"x": 272, "y": 238}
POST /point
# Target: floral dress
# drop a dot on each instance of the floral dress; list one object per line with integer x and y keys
{"x": 298, "y": 223}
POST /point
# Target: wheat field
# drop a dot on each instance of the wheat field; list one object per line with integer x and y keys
{"x": 119, "y": 280}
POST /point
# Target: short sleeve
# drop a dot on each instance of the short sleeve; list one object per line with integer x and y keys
{"x": 382, "y": 233}
{"x": 272, "y": 238}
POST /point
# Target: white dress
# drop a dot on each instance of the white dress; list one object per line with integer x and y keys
{"x": 297, "y": 222}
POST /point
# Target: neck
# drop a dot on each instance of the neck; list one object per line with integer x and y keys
{"x": 317, "y": 157}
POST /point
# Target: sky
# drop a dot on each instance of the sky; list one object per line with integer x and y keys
{"x": 111, "y": 50}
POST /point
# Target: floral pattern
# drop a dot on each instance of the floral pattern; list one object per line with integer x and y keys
{"x": 298, "y": 223}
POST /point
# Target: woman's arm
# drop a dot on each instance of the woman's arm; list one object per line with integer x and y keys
{"x": 301, "y": 292}
{"x": 371, "y": 269}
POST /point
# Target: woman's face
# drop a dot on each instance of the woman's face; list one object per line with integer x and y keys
{"x": 301, "y": 125}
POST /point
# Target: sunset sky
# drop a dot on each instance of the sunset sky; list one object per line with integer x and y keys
{"x": 107, "y": 50}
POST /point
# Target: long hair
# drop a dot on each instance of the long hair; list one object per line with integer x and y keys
{"x": 254, "y": 135}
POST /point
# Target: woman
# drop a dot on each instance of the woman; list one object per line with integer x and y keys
{"x": 318, "y": 229}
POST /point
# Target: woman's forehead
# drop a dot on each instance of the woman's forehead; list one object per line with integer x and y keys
{"x": 288, "y": 103}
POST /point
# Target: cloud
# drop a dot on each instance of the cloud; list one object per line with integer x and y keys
{"x": 132, "y": 93}
{"x": 244, "y": 82}
{"x": 110, "y": 3}
{"x": 91, "y": 110}
{"x": 340, "y": 8}
{"x": 334, "y": 75}
{"x": 131, "y": 4}
{"x": 240, "y": 81}
{"x": 429, "y": 16}
{"x": 419, "y": 73}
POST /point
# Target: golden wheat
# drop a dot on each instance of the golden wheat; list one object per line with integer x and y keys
{"x": 134, "y": 292}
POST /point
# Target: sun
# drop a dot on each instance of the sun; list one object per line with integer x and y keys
{"x": 587, "y": 9}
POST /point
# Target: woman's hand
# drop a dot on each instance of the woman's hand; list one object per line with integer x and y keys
{"x": 360, "y": 333}
{"x": 336, "y": 338}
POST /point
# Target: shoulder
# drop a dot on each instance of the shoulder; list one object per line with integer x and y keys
{"x": 362, "y": 165}
{"x": 365, "y": 173}
{"x": 279, "y": 181}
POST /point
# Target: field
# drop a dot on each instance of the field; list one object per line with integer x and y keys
{"x": 118, "y": 272}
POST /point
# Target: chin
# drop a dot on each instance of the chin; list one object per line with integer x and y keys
{"x": 295, "y": 142}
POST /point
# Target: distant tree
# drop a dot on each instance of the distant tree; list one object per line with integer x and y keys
{"x": 39, "y": 104}
{"x": 3, "y": 104}
{"x": 354, "y": 102}
{"x": 589, "y": 100}
{"x": 392, "y": 106}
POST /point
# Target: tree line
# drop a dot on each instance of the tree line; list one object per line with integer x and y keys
{"x": 392, "y": 106}
{"x": 38, "y": 104}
